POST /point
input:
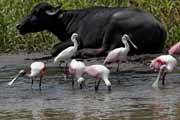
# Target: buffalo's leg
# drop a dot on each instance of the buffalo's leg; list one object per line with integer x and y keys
{"x": 110, "y": 40}
{"x": 90, "y": 52}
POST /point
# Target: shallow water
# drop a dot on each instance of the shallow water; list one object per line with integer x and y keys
{"x": 131, "y": 98}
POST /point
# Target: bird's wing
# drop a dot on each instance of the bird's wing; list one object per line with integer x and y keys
{"x": 78, "y": 65}
{"x": 175, "y": 49}
{"x": 113, "y": 55}
{"x": 36, "y": 67}
{"x": 67, "y": 53}
{"x": 91, "y": 70}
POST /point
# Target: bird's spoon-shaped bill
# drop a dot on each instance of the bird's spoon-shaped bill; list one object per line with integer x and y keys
{"x": 16, "y": 77}
{"x": 133, "y": 44}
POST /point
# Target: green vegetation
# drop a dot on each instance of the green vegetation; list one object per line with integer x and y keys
{"x": 11, "y": 11}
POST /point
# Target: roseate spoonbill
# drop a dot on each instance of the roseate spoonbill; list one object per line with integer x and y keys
{"x": 67, "y": 53}
{"x": 162, "y": 64}
{"x": 175, "y": 49}
{"x": 76, "y": 68}
{"x": 120, "y": 54}
{"x": 37, "y": 70}
{"x": 99, "y": 72}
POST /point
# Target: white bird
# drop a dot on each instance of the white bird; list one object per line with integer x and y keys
{"x": 119, "y": 54}
{"x": 37, "y": 70}
{"x": 76, "y": 68}
{"x": 99, "y": 72}
{"x": 67, "y": 53}
{"x": 162, "y": 64}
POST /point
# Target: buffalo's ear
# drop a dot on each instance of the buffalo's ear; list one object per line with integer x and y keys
{"x": 54, "y": 11}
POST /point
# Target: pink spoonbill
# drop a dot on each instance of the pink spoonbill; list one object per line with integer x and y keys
{"x": 76, "y": 68}
{"x": 162, "y": 64}
{"x": 175, "y": 49}
{"x": 99, "y": 72}
{"x": 37, "y": 70}
{"x": 69, "y": 52}
{"x": 119, "y": 54}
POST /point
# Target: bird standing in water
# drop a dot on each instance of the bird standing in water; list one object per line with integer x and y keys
{"x": 68, "y": 53}
{"x": 162, "y": 64}
{"x": 76, "y": 68}
{"x": 100, "y": 72}
{"x": 37, "y": 70}
{"x": 119, "y": 54}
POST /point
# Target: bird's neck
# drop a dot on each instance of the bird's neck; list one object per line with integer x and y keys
{"x": 127, "y": 47}
{"x": 75, "y": 43}
{"x": 29, "y": 75}
{"x": 161, "y": 70}
{"x": 80, "y": 80}
{"x": 107, "y": 82}
{"x": 155, "y": 84}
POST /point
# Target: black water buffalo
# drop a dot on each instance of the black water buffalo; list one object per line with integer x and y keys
{"x": 100, "y": 28}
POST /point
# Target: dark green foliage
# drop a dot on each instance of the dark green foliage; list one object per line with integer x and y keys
{"x": 11, "y": 11}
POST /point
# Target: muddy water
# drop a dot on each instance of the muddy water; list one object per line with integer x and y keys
{"x": 131, "y": 98}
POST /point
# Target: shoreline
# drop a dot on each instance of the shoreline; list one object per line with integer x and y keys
{"x": 138, "y": 63}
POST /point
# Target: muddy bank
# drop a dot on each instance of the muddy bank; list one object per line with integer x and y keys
{"x": 141, "y": 61}
{"x": 24, "y": 58}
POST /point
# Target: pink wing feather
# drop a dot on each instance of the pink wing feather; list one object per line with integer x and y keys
{"x": 91, "y": 71}
{"x": 112, "y": 57}
{"x": 175, "y": 49}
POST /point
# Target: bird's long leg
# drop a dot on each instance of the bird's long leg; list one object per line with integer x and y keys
{"x": 66, "y": 69}
{"x": 72, "y": 81}
{"x": 118, "y": 67}
{"x": 81, "y": 85}
{"x": 32, "y": 81}
{"x": 163, "y": 77}
{"x": 40, "y": 83}
{"x": 65, "y": 72}
{"x": 60, "y": 65}
{"x": 109, "y": 88}
{"x": 97, "y": 85}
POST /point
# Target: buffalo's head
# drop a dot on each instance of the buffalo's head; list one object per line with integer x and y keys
{"x": 40, "y": 18}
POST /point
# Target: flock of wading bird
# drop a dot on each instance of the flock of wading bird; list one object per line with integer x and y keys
{"x": 162, "y": 64}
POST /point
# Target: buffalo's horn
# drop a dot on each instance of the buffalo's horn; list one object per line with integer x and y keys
{"x": 54, "y": 12}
